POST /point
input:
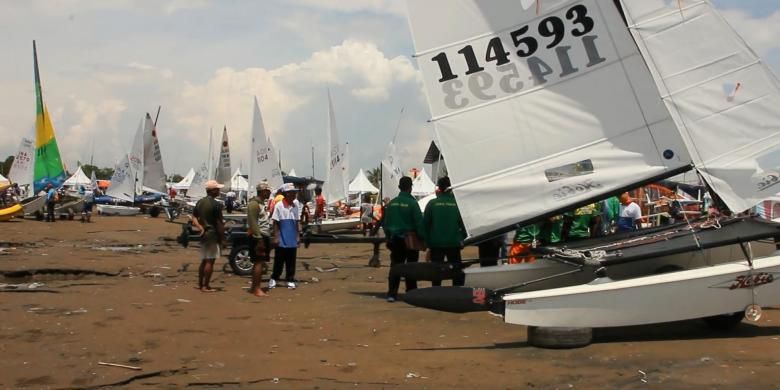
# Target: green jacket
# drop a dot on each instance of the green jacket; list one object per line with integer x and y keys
{"x": 403, "y": 215}
{"x": 443, "y": 224}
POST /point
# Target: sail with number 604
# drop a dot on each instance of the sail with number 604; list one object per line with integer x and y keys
{"x": 263, "y": 164}
{"x": 539, "y": 106}
{"x": 722, "y": 97}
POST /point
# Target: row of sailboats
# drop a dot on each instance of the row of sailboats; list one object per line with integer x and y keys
{"x": 576, "y": 101}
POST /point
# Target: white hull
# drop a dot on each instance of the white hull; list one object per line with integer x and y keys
{"x": 72, "y": 207}
{"x": 667, "y": 297}
{"x": 332, "y": 225}
{"x": 107, "y": 209}
{"x": 502, "y": 276}
{"x": 34, "y": 205}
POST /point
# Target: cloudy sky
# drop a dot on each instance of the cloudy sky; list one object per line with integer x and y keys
{"x": 104, "y": 64}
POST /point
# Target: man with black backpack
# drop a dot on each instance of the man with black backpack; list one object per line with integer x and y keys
{"x": 207, "y": 217}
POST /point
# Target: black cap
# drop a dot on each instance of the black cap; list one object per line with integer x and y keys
{"x": 405, "y": 184}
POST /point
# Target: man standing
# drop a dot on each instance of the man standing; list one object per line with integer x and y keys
{"x": 89, "y": 201}
{"x": 230, "y": 198}
{"x": 208, "y": 218}
{"x": 259, "y": 235}
{"x": 402, "y": 216}
{"x": 444, "y": 230}
{"x": 51, "y": 200}
{"x": 319, "y": 205}
{"x": 630, "y": 216}
{"x": 286, "y": 235}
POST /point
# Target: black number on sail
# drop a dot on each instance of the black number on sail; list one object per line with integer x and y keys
{"x": 579, "y": 15}
{"x": 444, "y": 67}
{"x": 496, "y": 52}
{"x": 594, "y": 58}
{"x": 471, "y": 60}
{"x": 552, "y": 27}
{"x": 539, "y": 70}
{"x": 526, "y": 45}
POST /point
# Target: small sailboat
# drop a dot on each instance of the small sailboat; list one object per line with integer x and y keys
{"x": 579, "y": 100}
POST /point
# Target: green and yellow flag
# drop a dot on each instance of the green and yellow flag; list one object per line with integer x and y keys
{"x": 48, "y": 164}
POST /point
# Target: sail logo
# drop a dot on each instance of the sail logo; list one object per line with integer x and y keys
{"x": 478, "y": 296}
{"x": 768, "y": 181}
{"x": 568, "y": 191}
{"x": 730, "y": 90}
{"x": 747, "y": 281}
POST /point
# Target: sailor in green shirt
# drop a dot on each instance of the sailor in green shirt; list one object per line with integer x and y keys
{"x": 581, "y": 221}
{"x": 207, "y": 217}
{"x": 402, "y": 216}
{"x": 444, "y": 230}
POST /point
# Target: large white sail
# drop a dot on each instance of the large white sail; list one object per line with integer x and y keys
{"x": 22, "y": 168}
{"x": 136, "y": 156}
{"x": 722, "y": 97}
{"x": 391, "y": 173}
{"x": 223, "y": 165}
{"x": 539, "y": 106}
{"x": 263, "y": 164}
{"x": 154, "y": 171}
{"x": 336, "y": 181}
{"x": 122, "y": 181}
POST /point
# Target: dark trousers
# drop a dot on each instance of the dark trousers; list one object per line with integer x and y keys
{"x": 261, "y": 257}
{"x": 284, "y": 258}
{"x": 489, "y": 251}
{"x": 50, "y": 211}
{"x": 400, "y": 255}
{"x": 453, "y": 257}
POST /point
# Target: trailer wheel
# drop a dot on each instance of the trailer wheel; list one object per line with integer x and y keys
{"x": 559, "y": 338}
{"x": 154, "y": 212}
{"x": 725, "y": 322}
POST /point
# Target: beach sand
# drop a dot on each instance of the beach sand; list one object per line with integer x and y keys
{"x": 139, "y": 308}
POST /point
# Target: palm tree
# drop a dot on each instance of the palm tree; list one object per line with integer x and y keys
{"x": 374, "y": 176}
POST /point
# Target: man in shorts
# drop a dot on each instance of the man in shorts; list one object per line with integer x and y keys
{"x": 259, "y": 231}
{"x": 207, "y": 216}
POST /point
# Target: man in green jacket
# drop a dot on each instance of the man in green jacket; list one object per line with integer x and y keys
{"x": 259, "y": 231}
{"x": 402, "y": 216}
{"x": 444, "y": 230}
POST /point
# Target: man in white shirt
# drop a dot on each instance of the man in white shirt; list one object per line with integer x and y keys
{"x": 630, "y": 216}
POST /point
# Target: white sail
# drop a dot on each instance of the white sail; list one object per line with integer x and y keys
{"x": 335, "y": 187}
{"x": 154, "y": 171}
{"x": 722, "y": 97}
{"x": 211, "y": 172}
{"x": 391, "y": 173}
{"x": 22, "y": 168}
{"x": 539, "y": 106}
{"x": 136, "y": 156}
{"x": 93, "y": 180}
{"x": 122, "y": 181}
{"x": 223, "y": 165}
{"x": 263, "y": 164}
{"x": 186, "y": 181}
{"x": 197, "y": 188}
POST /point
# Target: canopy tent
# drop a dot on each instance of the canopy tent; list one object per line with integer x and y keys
{"x": 3, "y": 180}
{"x": 423, "y": 185}
{"x": 361, "y": 184}
{"x": 292, "y": 173}
{"x": 184, "y": 184}
{"x": 238, "y": 182}
{"x": 78, "y": 179}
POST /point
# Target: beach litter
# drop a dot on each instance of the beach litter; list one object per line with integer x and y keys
{"x": 119, "y": 365}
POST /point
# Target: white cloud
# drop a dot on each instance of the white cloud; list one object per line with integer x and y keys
{"x": 394, "y": 7}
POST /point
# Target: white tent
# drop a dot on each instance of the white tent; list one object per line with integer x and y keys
{"x": 78, "y": 179}
{"x": 292, "y": 173}
{"x": 3, "y": 180}
{"x": 423, "y": 185}
{"x": 361, "y": 184}
{"x": 239, "y": 182}
{"x": 184, "y": 184}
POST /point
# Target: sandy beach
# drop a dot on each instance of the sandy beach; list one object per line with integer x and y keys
{"x": 120, "y": 290}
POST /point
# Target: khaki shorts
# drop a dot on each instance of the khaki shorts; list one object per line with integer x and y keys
{"x": 209, "y": 251}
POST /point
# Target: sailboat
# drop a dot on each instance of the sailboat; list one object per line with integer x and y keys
{"x": 263, "y": 163}
{"x": 223, "y": 165}
{"x": 154, "y": 170}
{"x": 547, "y": 106}
{"x": 48, "y": 167}
{"x": 21, "y": 173}
{"x": 337, "y": 179}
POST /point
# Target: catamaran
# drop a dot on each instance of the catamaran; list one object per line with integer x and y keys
{"x": 546, "y": 106}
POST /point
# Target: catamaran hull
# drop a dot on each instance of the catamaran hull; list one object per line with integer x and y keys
{"x": 501, "y": 276}
{"x": 105, "y": 209}
{"x": 675, "y": 296}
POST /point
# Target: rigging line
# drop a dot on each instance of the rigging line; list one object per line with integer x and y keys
{"x": 398, "y": 124}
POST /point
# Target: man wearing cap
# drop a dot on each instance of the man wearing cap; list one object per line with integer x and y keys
{"x": 259, "y": 232}
{"x": 285, "y": 216}
{"x": 207, "y": 216}
{"x": 444, "y": 230}
{"x": 402, "y": 216}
